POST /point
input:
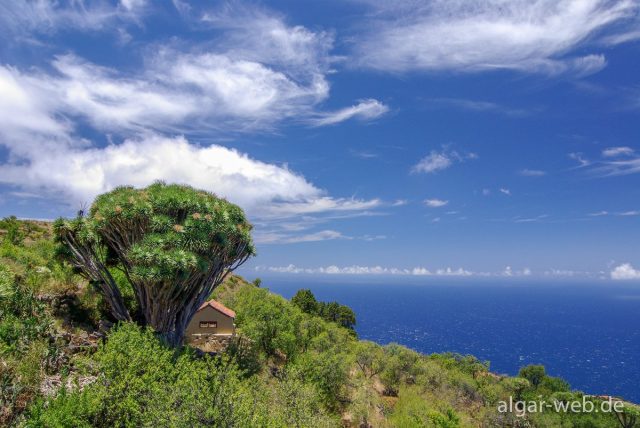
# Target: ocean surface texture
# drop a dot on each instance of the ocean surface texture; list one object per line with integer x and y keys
{"x": 589, "y": 334}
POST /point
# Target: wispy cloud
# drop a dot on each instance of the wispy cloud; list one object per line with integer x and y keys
{"x": 615, "y": 161}
{"x": 478, "y": 105}
{"x": 505, "y": 191}
{"x": 532, "y": 172}
{"x": 19, "y": 17}
{"x": 438, "y": 161}
{"x": 365, "y": 110}
{"x": 435, "y": 203}
{"x": 283, "y": 238}
{"x": 579, "y": 157}
{"x": 257, "y": 73}
{"x": 536, "y": 219}
{"x": 612, "y": 152}
{"x": 467, "y": 36}
{"x": 630, "y": 213}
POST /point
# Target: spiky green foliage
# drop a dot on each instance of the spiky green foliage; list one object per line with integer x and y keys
{"x": 174, "y": 243}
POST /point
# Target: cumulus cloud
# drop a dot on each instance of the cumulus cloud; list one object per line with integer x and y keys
{"x": 264, "y": 190}
{"x": 524, "y": 35}
{"x": 438, "y": 161}
{"x": 435, "y": 203}
{"x": 625, "y": 272}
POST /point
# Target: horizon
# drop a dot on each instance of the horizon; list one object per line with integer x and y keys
{"x": 417, "y": 150}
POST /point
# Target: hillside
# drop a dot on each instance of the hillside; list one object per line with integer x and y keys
{"x": 65, "y": 363}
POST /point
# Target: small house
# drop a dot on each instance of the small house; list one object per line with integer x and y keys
{"x": 212, "y": 319}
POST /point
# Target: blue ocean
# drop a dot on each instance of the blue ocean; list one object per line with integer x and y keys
{"x": 588, "y": 334}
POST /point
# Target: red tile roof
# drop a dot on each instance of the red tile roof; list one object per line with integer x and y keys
{"x": 218, "y": 307}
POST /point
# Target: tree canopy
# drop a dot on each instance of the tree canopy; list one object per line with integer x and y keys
{"x": 173, "y": 243}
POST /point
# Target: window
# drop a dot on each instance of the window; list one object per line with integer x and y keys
{"x": 208, "y": 324}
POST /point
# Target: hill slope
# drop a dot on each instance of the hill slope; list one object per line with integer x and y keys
{"x": 62, "y": 365}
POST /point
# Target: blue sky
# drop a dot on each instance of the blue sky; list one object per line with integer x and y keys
{"x": 444, "y": 138}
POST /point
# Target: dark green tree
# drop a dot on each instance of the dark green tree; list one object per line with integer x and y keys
{"x": 173, "y": 243}
{"x": 340, "y": 314}
{"x": 534, "y": 373}
{"x": 306, "y": 301}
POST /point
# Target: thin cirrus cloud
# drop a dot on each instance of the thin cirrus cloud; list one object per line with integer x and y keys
{"x": 532, "y": 172}
{"x": 478, "y": 105}
{"x": 437, "y": 161}
{"x": 467, "y": 36}
{"x": 614, "y": 161}
{"x": 435, "y": 203}
{"x": 46, "y": 17}
{"x": 366, "y": 110}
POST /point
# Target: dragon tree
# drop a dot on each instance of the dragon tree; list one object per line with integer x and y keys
{"x": 174, "y": 245}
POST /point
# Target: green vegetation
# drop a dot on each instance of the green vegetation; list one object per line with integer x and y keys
{"x": 331, "y": 311}
{"x": 290, "y": 365}
{"x": 174, "y": 245}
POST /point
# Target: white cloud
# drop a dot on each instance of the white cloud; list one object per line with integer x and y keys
{"x": 530, "y": 219}
{"x": 510, "y": 272}
{"x": 505, "y": 191}
{"x": 532, "y": 172}
{"x": 435, "y": 203}
{"x": 365, "y": 110}
{"x": 256, "y": 74}
{"x": 282, "y": 238}
{"x": 579, "y": 157}
{"x": 399, "y": 203}
{"x": 612, "y": 152}
{"x": 438, "y": 161}
{"x": 433, "y": 162}
{"x": 365, "y": 270}
{"x": 625, "y": 272}
{"x": 266, "y": 191}
{"x": 631, "y": 213}
{"x": 478, "y": 105}
{"x": 453, "y": 272}
{"x": 598, "y": 214}
{"x": 463, "y": 35}
{"x": 43, "y": 16}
